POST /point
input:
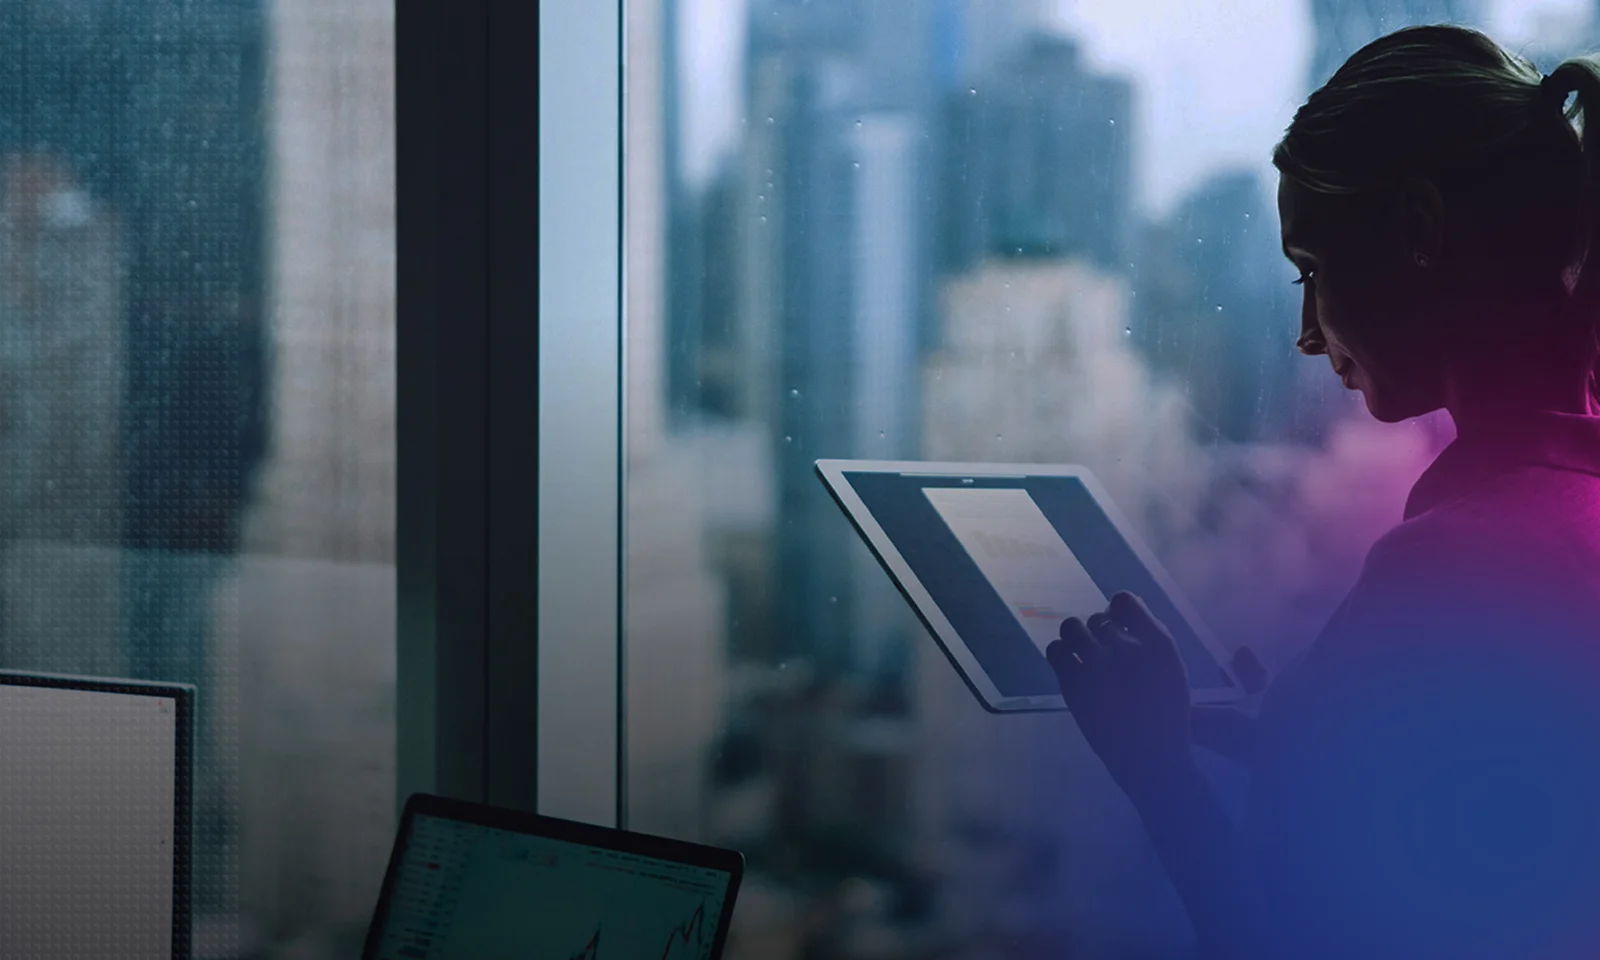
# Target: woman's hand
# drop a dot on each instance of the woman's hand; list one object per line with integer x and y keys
{"x": 1126, "y": 686}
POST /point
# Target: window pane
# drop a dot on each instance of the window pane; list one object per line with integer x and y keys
{"x": 958, "y": 230}
{"x": 196, "y": 329}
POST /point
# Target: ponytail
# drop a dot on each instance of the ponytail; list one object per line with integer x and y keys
{"x": 1581, "y": 76}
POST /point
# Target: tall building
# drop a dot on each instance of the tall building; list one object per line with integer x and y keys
{"x": 990, "y": 32}
{"x": 61, "y": 332}
{"x": 1341, "y": 27}
{"x": 302, "y": 628}
{"x": 154, "y": 111}
{"x": 1038, "y": 159}
{"x": 1214, "y": 310}
{"x": 1028, "y": 839}
{"x": 676, "y": 648}
{"x": 833, "y": 282}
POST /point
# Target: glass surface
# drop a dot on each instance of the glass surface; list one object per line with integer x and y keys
{"x": 197, "y": 415}
{"x": 989, "y": 230}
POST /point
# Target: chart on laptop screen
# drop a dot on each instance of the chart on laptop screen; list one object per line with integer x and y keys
{"x": 468, "y": 891}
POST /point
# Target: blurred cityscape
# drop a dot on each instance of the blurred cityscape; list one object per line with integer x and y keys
{"x": 197, "y": 415}
{"x": 923, "y": 244}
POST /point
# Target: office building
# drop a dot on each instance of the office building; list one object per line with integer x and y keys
{"x": 1038, "y": 160}
{"x": 61, "y": 333}
{"x": 674, "y": 626}
{"x": 1037, "y": 367}
{"x": 1215, "y": 313}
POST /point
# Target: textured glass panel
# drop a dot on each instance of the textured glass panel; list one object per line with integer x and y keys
{"x": 197, "y": 438}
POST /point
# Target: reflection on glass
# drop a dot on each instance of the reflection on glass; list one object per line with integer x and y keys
{"x": 956, "y": 230}
{"x": 196, "y": 414}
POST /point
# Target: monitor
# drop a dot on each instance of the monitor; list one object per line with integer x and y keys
{"x": 94, "y": 818}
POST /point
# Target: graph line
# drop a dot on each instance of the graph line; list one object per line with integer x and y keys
{"x": 591, "y": 950}
{"x": 691, "y": 928}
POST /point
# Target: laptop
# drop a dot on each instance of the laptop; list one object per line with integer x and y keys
{"x": 472, "y": 882}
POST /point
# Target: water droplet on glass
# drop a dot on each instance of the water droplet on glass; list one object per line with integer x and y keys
{"x": 972, "y": 91}
{"x": 1112, "y": 121}
{"x": 1219, "y": 308}
{"x": 833, "y": 599}
{"x": 763, "y": 218}
{"x": 771, "y": 120}
{"x": 999, "y": 436}
{"x": 788, "y": 439}
{"x": 1247, "y": 216}
{"x": 858, "y": 122}
{"x": 880, "y": 434}
{"x": 1127, "y": 331}
{"x": 794, "y": 392}
{"x": 856, "y": 164}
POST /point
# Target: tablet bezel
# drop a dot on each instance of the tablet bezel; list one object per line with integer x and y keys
{"x": 720, "y": 859}
{"x": 832, "y": 473}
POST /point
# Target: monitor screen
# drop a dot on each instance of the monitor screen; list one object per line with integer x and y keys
{"x": 464, "y": 890}
{"x": 88, "y": 807}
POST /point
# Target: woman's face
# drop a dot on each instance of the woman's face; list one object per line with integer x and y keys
{"x": 1365, "y": 301}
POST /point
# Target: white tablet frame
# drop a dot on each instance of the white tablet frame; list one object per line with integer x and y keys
{"x": 832, "y": 474}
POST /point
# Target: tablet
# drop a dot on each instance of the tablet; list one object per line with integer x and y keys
{"x": 993, "y": 557}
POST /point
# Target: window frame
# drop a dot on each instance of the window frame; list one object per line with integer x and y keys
{"x": 509, "y": 669}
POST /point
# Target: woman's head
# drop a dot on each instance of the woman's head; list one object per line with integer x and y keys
{"x": 1436, "y": 199}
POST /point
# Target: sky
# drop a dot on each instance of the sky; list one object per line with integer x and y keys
{"x": 1217, "y": 80}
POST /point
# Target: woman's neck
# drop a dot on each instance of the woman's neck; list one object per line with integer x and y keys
{"x": 1505, "y": 388}
{"x": 1500, "y": 374}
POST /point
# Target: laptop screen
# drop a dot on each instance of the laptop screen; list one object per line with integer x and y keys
{"x": 464, "y": 890}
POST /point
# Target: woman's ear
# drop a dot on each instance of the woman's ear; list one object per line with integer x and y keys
{"x": 1421, "y": 220}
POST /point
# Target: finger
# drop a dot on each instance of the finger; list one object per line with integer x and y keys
{"x": 1119, "y": 645}
{"x": 1075, "y": 651}
{"x": 1132, "y": 613}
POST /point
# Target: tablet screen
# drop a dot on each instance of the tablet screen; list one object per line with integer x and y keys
{"x": 1007, "y": 559}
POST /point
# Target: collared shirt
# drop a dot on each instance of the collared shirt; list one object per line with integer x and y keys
{"x": 1428, "y": 777}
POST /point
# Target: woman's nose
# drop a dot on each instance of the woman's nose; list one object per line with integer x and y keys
{"x": 1311, "y": 343}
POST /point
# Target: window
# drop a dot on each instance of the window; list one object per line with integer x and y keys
{"x": 197, "y": 242}
{"x": 951, "y": 230}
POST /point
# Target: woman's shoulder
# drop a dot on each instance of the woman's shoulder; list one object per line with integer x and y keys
{"x": 1523, "y": 546}
{"x": 1521, "y": 515}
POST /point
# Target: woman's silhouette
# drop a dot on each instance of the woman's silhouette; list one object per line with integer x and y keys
{"x": 1426, "y": 780}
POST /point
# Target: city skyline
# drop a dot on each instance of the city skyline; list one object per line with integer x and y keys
{"x": 1194, "y": 118}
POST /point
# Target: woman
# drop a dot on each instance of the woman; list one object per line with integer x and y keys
{"x": 1426, "y": 781}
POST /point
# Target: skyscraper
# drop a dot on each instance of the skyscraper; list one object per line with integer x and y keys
{"x": 155, "y": 107}
{"x": 1212, "y": 313}
{"x": 1038, "y": 159}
